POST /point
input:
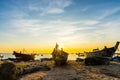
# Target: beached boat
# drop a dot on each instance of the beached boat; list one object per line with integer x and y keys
{"x": 106, "y": 52}
{"x": 59, "y": 56}
{"x": 23, "y": 57}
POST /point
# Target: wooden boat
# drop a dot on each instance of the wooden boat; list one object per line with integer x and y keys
{"x": 23, "y": 57}
{"x": 106, "y": 52}
{"x": 59, "y": 56}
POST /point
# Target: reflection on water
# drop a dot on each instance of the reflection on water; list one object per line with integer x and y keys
{"x": 7, "y": 55}
{"x": 72, "y": 57}
{"x": 37, "y": 57}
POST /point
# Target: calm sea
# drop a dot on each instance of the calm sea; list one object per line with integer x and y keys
{"x": 38, "y": 57}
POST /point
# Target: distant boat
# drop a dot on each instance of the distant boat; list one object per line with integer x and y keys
{"x": 23, "y": 57}
{"x": 81, "y": 55}
{"x": 106, "y": 52}
{"x": 1, "y": 56}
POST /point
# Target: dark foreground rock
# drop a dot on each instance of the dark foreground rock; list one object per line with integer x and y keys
{"x": 8, "y": 71}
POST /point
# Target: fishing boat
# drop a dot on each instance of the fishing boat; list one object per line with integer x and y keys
{"x": 23, "y": 57}
{"x": 105, "y": 52}
{"x": 59, "y": 56}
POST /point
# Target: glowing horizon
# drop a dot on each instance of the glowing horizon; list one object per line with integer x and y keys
{"x": 79, "y": 25}
{"x": 49, "y": 49}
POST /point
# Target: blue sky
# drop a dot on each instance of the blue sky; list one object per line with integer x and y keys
{"x": 42, "y": 23}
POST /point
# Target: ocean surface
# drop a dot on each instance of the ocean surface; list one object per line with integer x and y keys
{"x": 39, "y": 56}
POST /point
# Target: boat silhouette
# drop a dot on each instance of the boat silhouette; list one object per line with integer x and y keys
{"x": 23, "y": 57}
{"x": 105, "y": 52}
{"x": 59, "y": 56}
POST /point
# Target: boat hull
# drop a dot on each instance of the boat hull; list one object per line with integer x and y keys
{"x": 23, "y": 57}
{"x": 106, "y": 52}
{"x": 59, "y": 56}
{"x": 60, "y": 59}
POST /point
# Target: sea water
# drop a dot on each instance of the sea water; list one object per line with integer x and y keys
{"x": 38, "y": 56}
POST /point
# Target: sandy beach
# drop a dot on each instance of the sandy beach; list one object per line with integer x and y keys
{"x": 72, "y": 71}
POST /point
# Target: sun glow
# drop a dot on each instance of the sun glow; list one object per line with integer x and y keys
{"x": 60, "y": 46}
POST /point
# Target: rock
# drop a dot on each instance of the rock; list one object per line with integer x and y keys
{"x": 8, "y": 71}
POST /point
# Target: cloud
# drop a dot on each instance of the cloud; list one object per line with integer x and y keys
{"x": 90, "y": 22}
{"x": 61, "y": 25}
{"x": 65, "y": 31}
{"x": 105, "y": 31}
{"x": 55, "y": 10}
{"x": 85, "y": 8}
{"x": 50, "y": 6}
{"x": 53, "y": 30}
{"x": 109, "y": 12}
{"x": 111, "y": 29}
{"x": 33, "y": 8}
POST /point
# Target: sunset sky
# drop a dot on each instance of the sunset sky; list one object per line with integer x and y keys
{"x": 78, "y": 25}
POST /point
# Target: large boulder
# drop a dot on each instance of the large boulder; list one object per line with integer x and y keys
{"x": 97, "y": 60}
{"x": 8, "y": 71}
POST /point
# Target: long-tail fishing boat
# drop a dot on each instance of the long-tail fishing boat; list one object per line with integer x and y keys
{"x": 23, "y": 57}
{"x": 59, "y": 56}
{"x": 105, "y": 52}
